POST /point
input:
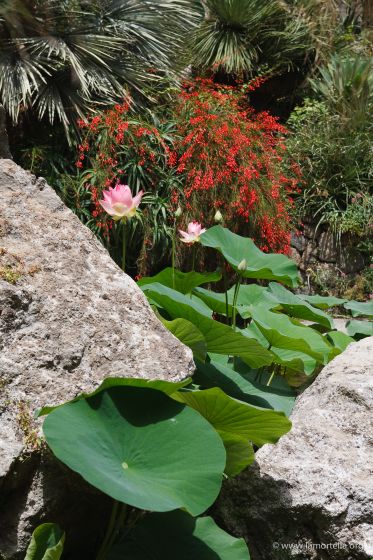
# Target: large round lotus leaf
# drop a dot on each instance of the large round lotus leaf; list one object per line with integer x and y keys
{"x": 167, "y": 387}
{"x": 183, "y": 282}
{"x": 235, "y": 249}
{"x": 140, "y": 447}
{"x": 360, "y": 308}
{"x": 178, "y": 536}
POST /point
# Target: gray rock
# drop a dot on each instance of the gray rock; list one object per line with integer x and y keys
{"x": 298, "y": 241}
{"x": 350, "y": 260}
{"x": 313, "y": 491}
{"x": 342, "y": 252}
{"x": 295, "y": 255}
{"x": 69, "y": 317}
{"x": 311, "y": 231}
{"x": 329, "y": 248}
{"x": 309, "y": 255}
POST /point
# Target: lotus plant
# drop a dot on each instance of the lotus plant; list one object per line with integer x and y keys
{"x": 119, "y": 203}
{"x": 193, "y": 233}
{"x": 192, "y": 236}
{"x": 177, "y": 214}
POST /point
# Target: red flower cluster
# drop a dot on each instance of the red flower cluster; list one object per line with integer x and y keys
{"x": 115, "y": 147}
{"x": 231, "y": 157}
{"x": 214, "y": 152}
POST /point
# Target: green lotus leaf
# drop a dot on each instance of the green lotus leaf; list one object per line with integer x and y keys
{"x": 296, "y": 307}
{"x": 260, "y": 265}
{"x": 240, "y": 453}
{"x": 252, "y": 295}
{"x": 322, "y": 302}
{"x": 158, "y": 293}
{"x": 273, "y": 297}
{"x": 288, "y": 334}
{"x": 359, "y": 329}
{"x": 166, "y": 387}
{"x": 340, "y": 339}
{"x": 177, "y": 535}
{"x": 360, "y": 308}
{"x": 219, "y": 338}
{"x": 215, "y": 374}
{"x": 288, "y": 357}
{"x": 249, "y": 296}
{"x": 47, "y": 543}
{"x": 295, "y": 360}
{"x": 189, "y": 335}
{"x": 236, "y": 419}
{"x": 140, "y": 447}
{"x": 215, "y": 300}
{"x": 183, "y": 282}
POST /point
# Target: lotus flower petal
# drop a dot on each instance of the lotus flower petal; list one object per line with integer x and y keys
{"x": 193, "y": 233}
{"x": 137, "y": 199}
{"x": 119, "y": 203}
{"x": 107, "y": 207}
{"x": 122, "y": 194}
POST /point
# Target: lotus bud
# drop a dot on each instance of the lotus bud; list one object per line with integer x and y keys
{"x": 242, "y": 265}
{"x": 218, "y": 217}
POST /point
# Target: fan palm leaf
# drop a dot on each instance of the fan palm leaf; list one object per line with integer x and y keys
{"x": 59, "y": 57}
{"x": 238, "y": 36}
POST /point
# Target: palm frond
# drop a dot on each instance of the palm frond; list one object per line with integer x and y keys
{"x": 238, "y": 36}
{"x": 346, "y": 84}
{"x": 103, "y": 48}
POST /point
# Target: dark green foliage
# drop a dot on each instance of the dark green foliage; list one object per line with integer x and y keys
{"x": 184, "y": 539}
{"x": 331, "y": 141}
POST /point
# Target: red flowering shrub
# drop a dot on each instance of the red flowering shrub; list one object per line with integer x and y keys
{"x": 211, "y": 151}
{"x": 230, "y": 158}
{"x": 120, "y": 147}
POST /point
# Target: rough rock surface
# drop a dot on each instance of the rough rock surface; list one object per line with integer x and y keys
{"x": 320, "y": 248}
{"x": 69, "y": 317}
{"x": 314, "y": 489}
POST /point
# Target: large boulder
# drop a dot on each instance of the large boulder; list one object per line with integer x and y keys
{"x": 311, "y": 495}
{"x": 69, "y": 317}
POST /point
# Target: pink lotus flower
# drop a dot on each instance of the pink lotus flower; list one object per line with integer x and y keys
{"x": 119, "y": 202}
{"x": 193, "y": 234}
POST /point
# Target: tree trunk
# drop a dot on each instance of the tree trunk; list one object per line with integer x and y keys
{"x": 368, "y": 13}
{"x": 4, "y": 143}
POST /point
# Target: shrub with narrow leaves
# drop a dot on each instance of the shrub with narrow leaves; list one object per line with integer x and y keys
{"x": 230, "y": 159}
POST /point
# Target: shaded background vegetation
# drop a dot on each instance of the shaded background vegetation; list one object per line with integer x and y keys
{"x": 307, "y": 62}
